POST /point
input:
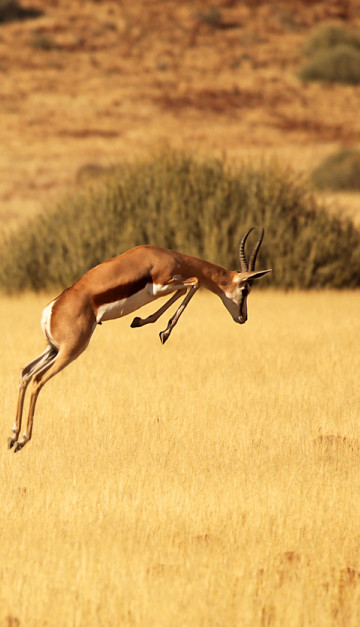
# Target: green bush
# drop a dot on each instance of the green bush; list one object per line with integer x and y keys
{"x": 328, "y": 37}
{"x": 338, "y": 65}
{"x": 199, "y": 207}
{"x": 339, "y": 171}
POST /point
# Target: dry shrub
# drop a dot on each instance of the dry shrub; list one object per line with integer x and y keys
{"x": 334, "y": 55}
{"x": 340, "y": 65}
{"x": 328, "y": 36}
{"x": 339, "y": 171}
{"x": 201, "y": 208}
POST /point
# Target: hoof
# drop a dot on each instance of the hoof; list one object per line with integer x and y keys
{"x": 136, "y": 322}
{"x": 163, "y": 335}
{"x": 19, "y": 446}
{"x": 11, "y": 442}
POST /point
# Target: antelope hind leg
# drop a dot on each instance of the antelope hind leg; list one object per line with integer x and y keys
{"x": 25, "y": 377}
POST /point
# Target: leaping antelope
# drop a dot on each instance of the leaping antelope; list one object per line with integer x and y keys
{"x": 118, "y": 287}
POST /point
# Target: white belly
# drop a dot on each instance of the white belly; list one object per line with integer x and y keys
{"x": 119, "y": 308}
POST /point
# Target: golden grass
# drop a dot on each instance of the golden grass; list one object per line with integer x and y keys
{"x": 212, "y": 481}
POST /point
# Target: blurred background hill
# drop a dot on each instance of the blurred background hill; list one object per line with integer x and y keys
{"x": 86, "y": 84}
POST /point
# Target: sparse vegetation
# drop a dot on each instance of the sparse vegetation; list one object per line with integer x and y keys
{"x": 334, "y": 56}
{"x": 201, "y": 208}
{"x": 340, "y": 171}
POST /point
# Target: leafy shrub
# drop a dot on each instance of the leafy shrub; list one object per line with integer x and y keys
{"x": 328, "y": 37}
{"x": 201, "y": 208}
{"x": 338, "y": 65}
{"x": 339, "y": 171}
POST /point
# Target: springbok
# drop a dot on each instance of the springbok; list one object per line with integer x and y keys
{"x": 118, "y": 287}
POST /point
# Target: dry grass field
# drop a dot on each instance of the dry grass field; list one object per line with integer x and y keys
{"x": 209, "y": 482}
{"x": 213, "y": 481}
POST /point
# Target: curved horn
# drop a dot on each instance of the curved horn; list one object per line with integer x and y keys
{"x": 254, "y": 254}
{"x": 243, "y": 261}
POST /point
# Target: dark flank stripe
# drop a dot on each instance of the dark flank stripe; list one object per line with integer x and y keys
{"x": 124, "y": 290}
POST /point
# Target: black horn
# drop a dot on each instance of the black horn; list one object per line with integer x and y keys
{"x": 254, "y": 254}
{"x": 243, "y": 261}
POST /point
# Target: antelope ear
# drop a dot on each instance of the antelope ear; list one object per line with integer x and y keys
{"x": 259, "y": 274}
{"x": 241, "y": 277}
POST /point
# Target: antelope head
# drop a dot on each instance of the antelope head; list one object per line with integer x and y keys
{"x": 235, "y": 300}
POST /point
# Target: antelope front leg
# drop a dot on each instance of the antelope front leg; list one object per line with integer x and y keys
{"x": 140, "y": 322}
{"x": 164, "y": 335}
